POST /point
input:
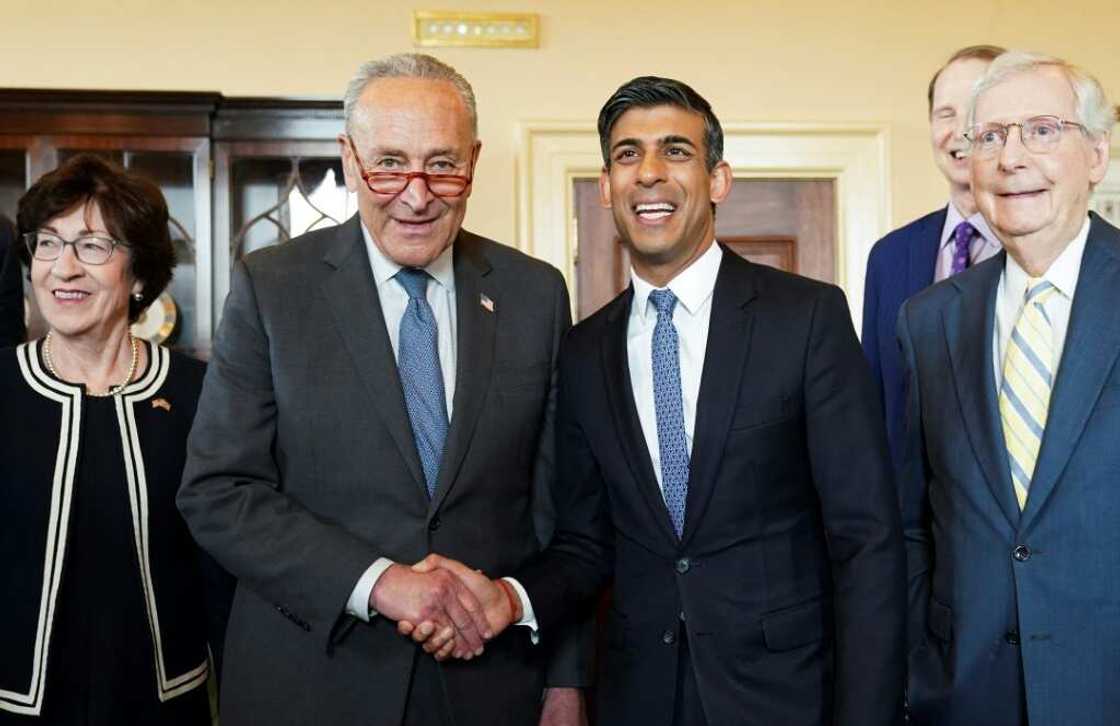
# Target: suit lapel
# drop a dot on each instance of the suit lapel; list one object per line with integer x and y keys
{"x": 969, "y": 322}
{"x": 620, "y": 398}
{"x": 475, "y": 359}
{"x": 1089, "y": 354}
{"x": 725, "y": 359}
{"x": 923, "y": 252}
{"x": 351, "y": 296}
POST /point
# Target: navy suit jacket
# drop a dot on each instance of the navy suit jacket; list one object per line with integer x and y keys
{"x": 900, "y": 265}
{"x": 1000, "y": 597}
{"x": 789, "y": 574}
{"x": 11, "y": 287}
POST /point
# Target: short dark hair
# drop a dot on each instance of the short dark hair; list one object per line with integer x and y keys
{"x": 973, "y": 52}
{"x": 133, "y": 208}
{"x": 651, "y": 91}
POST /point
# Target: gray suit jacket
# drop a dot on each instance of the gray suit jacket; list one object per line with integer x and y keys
{"x": 302, "y": 471}
{"x": 1002, "y": 598}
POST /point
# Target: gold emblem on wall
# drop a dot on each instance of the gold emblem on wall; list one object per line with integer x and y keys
{"x": 481, "y": 30}
{"x": 159, "y": 323}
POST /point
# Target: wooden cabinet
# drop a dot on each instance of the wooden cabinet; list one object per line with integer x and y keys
{"x": 238, "y": 174}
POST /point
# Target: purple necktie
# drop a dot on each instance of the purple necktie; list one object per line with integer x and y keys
{"x": 962, "y": 246}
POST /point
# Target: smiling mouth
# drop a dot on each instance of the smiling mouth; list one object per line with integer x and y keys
{"x": 958, "y": 154}
{"x": 1022, "y": 195}
{"x": 654, "y": 211}
{"x": 415, "y": 225}
{"x": 69, "y": 295}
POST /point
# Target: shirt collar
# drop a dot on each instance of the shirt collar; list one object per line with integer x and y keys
{"x": 384, "y": 269}
{"x": 693, "y": 285}
{"x": 1062, "y": 273}
{"x": 954, "y": 217}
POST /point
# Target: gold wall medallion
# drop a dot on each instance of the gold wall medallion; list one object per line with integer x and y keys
{"x": 160, "y": 321}
{"x": 433, "y": 28}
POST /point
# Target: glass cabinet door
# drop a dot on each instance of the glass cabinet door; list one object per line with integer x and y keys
{"x": 270, "y": 193}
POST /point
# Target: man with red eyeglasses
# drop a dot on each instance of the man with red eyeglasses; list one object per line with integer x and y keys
{"x": 380, "y": 391}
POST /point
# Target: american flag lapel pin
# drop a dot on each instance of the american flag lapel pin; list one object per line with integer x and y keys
{"x": 486, "y": 303}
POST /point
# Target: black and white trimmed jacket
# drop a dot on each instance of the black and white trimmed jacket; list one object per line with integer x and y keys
{"x": 41, "y": 434}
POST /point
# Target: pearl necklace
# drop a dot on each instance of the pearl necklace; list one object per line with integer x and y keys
{"x": 113, "y": 390}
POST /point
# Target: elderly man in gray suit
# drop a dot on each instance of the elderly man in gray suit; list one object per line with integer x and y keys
{"x": 380, "y": 391}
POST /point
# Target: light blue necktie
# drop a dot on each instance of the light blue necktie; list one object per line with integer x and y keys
{"x": 1028, "y": 377}
{"x": 418, "y": 364}
{"x": 669, "y": 405}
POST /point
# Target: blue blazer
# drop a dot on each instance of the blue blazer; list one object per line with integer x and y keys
{"x": 1001, "y": 598}
{"x": 901, "y": 265}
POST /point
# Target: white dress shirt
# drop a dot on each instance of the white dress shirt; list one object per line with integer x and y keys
{"x": 394, "y": 300}
{"x": 984, "y": 245}
{"x": 693, "y": 288}
{"x": 1011, "y": 295}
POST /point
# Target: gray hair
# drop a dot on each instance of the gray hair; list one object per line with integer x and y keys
{"x": 1093, "y": 108}
{"x": 406, "y": 65}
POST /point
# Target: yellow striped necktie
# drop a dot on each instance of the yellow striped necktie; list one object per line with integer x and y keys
{"x": 1028, "y": 376}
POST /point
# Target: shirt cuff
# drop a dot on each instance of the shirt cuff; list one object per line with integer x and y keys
{"x": 528, "y": 617}
{"x": 358, "y": 605}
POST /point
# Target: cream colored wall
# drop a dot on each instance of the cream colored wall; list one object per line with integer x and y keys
{"x": 860, "y": 61}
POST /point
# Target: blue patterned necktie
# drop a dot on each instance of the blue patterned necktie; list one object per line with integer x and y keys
{"x": 421, "y": 377}
{"x": 669, "y": 405}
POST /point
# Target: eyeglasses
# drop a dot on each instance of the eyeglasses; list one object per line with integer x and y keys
{"x": 1040, "y": 134}
{"x": 393, "y": 183}
{"x": 92, "y": 249}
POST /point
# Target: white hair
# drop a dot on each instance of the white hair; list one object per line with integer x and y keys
{"x": 406, "y": 65}
{"x": 1094, "y": 111}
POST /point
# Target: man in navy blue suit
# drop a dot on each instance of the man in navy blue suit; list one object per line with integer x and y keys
{"x": 1011, "y": 477}
{"x": 933, "y": 247}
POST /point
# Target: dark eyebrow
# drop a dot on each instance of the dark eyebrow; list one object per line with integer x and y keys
{"x": 662, "y": 142}
{"x": 625, "y": 142}
{"x": 675, "y": 139}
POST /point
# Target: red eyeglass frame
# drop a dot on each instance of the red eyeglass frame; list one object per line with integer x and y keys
{"x": 407, "y": 177}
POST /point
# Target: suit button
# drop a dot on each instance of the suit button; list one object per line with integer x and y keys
{"x": 683, "y": 565}
{"x": 680, "y": 616}
{"x": 1011, "y": 637}
{"x": 434, "y": 524}
{"x": 1021, "y": 553}
{"x": 668, "y": 637}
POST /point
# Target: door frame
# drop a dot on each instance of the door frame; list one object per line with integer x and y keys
{"x": 856, "y": 156}
{"x": 1106, "y": 197}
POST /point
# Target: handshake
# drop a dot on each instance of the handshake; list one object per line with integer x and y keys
{"x": 449, "y": 609}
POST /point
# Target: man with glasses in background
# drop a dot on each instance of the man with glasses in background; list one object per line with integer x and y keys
{"x": 1011, "y": 478}
{"x": 933, "y": 247}
{"x": 380, "y": 391}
